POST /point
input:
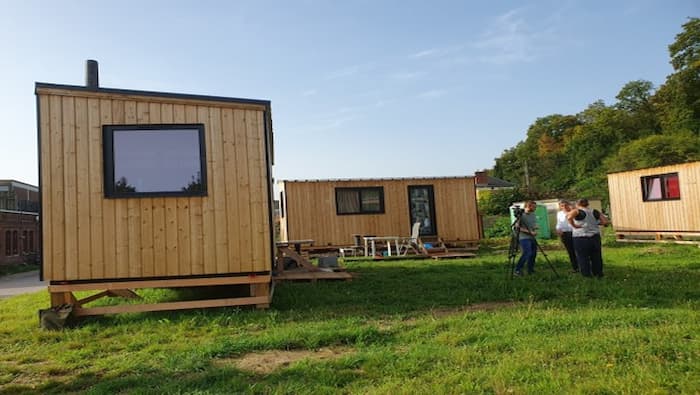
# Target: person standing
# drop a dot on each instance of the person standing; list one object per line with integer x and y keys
{"x": 586, "y": 235}
{"x": 564, "y": 230}
{"x": 527, "y": 226}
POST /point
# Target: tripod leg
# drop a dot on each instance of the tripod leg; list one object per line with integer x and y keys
{"x": 546, "y": 258}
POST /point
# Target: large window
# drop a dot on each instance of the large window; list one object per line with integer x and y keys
{"x": 661, "y": 187}
{"x": 154, "y": 160}
{"x": 359, "y": 200}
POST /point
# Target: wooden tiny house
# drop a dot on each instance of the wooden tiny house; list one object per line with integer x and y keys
{"x": 330, "y": 212}
{"x": 150, "y": 189}
{"x": 658, "y": 202}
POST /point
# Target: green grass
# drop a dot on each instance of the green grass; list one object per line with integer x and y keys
{"x": 399, "y": 327}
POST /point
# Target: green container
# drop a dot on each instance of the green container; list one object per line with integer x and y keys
{"x": 542, "y": 220}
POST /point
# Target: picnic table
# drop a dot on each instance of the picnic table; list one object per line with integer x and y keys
{"x": 370, "y": 243}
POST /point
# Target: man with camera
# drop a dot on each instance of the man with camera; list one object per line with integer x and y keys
{"x": 526, "y": 226}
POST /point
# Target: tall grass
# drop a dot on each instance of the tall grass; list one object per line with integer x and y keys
{"x": 398, "y": 327}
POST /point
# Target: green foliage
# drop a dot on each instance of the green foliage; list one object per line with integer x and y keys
{"x": 496, "y": 202}
{"x": 453, "y": 326}
{"x": 656, "y": 150}
{"x": 570, "y": 155}
{"x": 500, "y": 228}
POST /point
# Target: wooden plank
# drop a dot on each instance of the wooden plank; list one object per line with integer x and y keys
{"x": 193, "y": 304}
{"x": 243, "y": 187}
{"x": 217, "y": 190}
{"x": 82, "y": 155}
{"x": 208, "y": 221}
{"x": 145, "y": 205}
{"x": 231, "y": 190}
{"x": 160, "y": 259}
{"x": 171, "y": 224}
{"x": 121, "y": 214}
{"x": 171, "y": 283}
{"x": 257, "y": 212}
{"x": 95, "y": 184}
{"x": 154, "y": 99}
{"x": 109, "y": 235}
{"x": 196, "y": 226}
{"x": 291, "y": 276}
{"x": 133, "y": 207}
{"x": 183, "y": 212}
{"x": 158, "y": 227}
{"x": 45, "y": 186}
{"x": 70, "y": 189}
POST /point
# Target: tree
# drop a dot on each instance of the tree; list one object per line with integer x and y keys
{"x": 656, "y": 150}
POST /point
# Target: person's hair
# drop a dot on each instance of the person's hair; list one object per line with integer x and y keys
{"x": 582, "y": 202}
{"x": 530, "y": 202}
{"x": 565, "y": 202}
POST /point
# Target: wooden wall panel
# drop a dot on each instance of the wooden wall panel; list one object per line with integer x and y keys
{"x": 86, "y": 236}
{"x": 631, "y": 213}
{"x": 311, "y": 213}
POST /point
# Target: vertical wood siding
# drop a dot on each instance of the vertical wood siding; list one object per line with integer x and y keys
{"x": 88, "y": 237}
{"x": 310, "y": 210}
{"x": 631, "y": 213}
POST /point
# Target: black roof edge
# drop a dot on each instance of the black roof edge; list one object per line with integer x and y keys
{"x": 170, "y": 95}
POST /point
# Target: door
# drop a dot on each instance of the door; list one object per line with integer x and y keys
{"x": 421, "y": 204}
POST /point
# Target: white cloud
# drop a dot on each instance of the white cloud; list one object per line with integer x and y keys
{"x": 432, "y": 94}
{"x": 510, "y": 39}
{"x": 309, "y": 92}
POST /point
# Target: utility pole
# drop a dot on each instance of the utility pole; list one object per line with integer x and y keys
{"x": 527, "y": 178}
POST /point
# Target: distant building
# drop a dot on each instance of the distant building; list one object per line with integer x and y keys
{"x": 19, "y": 222}
{"x": 485, "y": 182}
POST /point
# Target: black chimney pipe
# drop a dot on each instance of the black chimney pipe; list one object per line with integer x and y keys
{"x": 92, "y": 75}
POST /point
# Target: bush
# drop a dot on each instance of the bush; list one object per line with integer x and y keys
{"x": 499, "y": 228}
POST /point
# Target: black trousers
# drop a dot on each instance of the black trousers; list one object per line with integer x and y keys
{"x": 589, "y": 255}
{"x": 568, "y": 242}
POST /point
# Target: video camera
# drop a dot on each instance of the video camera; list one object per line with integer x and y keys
{"x": 517, "y": 211}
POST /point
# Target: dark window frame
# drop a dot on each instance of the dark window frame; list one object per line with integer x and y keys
{"x": 664, "y": 192}
{"x": 8, "y": 243}
{"x": 15, "y": 243}
{"x": 108, "y": 158}
{"x": 359, "y": 191}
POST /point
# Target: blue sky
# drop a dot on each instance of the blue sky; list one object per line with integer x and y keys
{"x": 358, "y": 88}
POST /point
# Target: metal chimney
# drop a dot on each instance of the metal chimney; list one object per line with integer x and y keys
{"x": 92, "y": 77}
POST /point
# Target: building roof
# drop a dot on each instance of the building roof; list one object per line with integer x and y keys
{"x": 484, "y": 180}
{"x": 20, "y": 184}
{"x": 378, "y": 179}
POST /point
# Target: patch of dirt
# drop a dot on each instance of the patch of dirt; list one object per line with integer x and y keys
{"x": 267, "y": 362}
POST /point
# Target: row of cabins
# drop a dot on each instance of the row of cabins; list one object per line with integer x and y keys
{"x": 144, "y": 189}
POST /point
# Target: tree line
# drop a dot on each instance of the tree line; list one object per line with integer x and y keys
{"x": 569, "y": 156}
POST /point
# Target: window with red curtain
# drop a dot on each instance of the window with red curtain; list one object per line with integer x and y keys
{"x": 673, "y": 190}
{"x": 661, "y": 187}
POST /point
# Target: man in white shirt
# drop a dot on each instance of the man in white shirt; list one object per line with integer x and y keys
{"x": 564, "y": 230}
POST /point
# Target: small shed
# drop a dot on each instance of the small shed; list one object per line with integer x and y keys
{"x": 145, "y": 189}
{"x": 656, "y": 202}
{"x": 335, "y": 212}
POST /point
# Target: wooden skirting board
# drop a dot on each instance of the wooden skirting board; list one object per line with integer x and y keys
{"x": 658, "y": 237}
{"x": 62, "y": 294}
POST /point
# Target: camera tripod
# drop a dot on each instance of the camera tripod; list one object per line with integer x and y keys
{"x": 515, "y": 245}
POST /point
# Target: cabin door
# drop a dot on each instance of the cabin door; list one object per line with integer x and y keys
{"x": 421, "y": 204}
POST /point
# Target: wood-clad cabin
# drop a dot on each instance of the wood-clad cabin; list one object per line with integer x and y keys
{"x": 153, "y": 189}
{"x": 330, "y": 212}
{"x": 656, "y": 201}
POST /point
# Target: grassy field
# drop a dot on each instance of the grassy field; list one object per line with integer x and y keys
{"x": 458, "y": 326}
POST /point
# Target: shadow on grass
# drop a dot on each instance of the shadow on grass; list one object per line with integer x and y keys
{"x": 385, "y": 288}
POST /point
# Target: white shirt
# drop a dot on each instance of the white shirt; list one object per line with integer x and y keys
{"x": 563, "y": 224}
